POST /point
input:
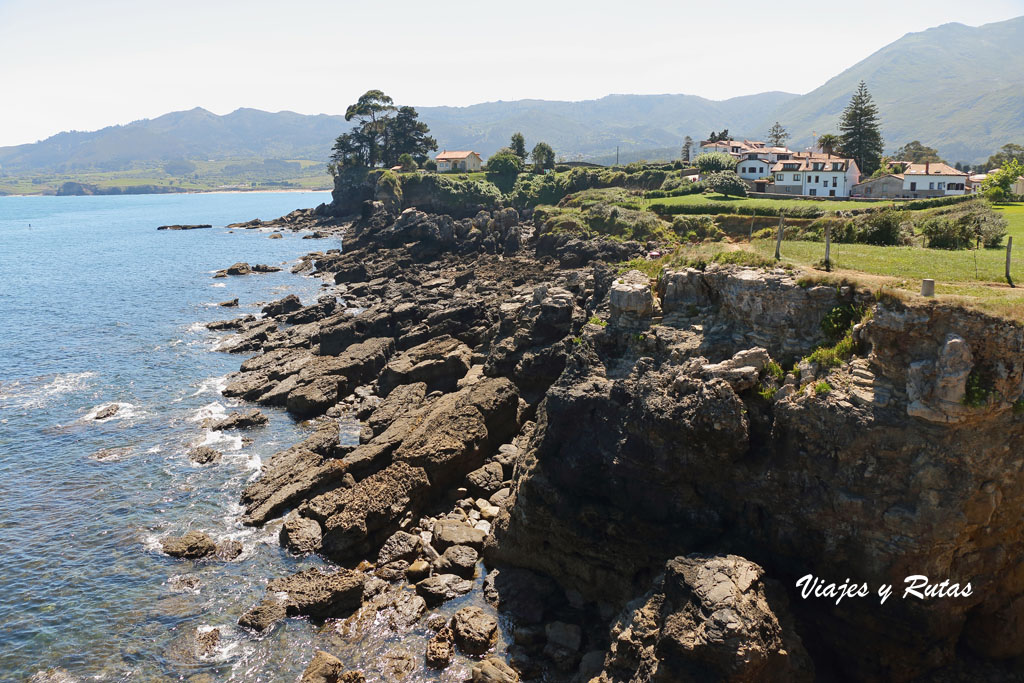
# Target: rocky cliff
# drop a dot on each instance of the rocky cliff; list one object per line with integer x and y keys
{"x": 645, "y": 482}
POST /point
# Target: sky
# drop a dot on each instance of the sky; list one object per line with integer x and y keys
{"x": 74, "y": 65}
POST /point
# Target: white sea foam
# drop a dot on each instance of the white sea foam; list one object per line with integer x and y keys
{"x": 221, "y": 441}
{"x": 40, "y": 391}
{"x": 214, "y": 385}
{"x": 218, "y": 284}
{"x": 197, "y": 328}
{"x": 213, "y": 410}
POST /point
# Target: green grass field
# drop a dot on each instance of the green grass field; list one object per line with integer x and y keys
{"x": 749, "y": 203}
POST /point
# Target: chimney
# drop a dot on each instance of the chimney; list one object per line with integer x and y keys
{"x": 927, "y": 166}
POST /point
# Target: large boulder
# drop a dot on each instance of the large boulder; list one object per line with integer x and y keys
{"x": 475, "y": 630}
{"x": 631, "y": 296}
{"x": 708, "y": 618}
{"x": 440, "y": 363}
{"x": 310, "y": 593}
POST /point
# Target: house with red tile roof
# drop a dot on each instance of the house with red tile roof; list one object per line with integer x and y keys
{"x": 458, "y": 161}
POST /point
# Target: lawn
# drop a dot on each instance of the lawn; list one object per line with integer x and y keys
{"x": 746, "y": 203}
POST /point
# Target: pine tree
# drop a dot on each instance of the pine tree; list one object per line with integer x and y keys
{"x": 518, "y": 145}
{"x": 777, "y": 135}
{"x": 860, "y": 137}
{"x": 687, "y": 144}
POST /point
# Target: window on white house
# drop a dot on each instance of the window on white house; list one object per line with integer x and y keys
{"x": 780, "y": 177}
{"x": 813, "y": 192}
{"x": 796, "y": 177}
{"x": 942, "y": 186}
{"x": 931, "y": 186}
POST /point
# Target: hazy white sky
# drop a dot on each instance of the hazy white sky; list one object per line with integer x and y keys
{"x": 69, "y": 64}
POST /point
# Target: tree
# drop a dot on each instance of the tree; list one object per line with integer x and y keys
{"x": 407, "y": 135}
{"x": 998, "y": 186}
{"x": 777, "y": 135}
{"x": 542, "y": 156}
{"x": 718, "y": 137}
{"x": 407, "y": 162}
{"x": 828, "y": 143}
{"x": 727, "y": 183}
{"x": 383, "y": 133}
{"x": 712, "y": 162}
{"x": 687, "y": 144}
{"x": 1007, "y": 153}
{"x": 518, "y": 145}
{"x": 504, "y": 163}
{"x": 860, "y": 137}
{"x": 916, "y": 153}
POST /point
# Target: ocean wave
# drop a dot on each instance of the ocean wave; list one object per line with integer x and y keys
{"x": 221, "y": 441}
{"x": 212, "y": 385}
{"x": 209, "y": 411}
{"x": 218, "y": 284}
{"x": 40, "y": 391}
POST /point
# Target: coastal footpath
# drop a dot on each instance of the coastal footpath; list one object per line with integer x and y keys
{"x": 629, "y": 460}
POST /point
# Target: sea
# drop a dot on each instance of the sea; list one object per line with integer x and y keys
{"x": 97, "y": 307}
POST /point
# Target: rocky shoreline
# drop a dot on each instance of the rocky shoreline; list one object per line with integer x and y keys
{"x": 626, "y": 462}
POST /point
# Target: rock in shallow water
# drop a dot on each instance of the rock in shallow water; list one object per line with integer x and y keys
{"x": 191, "y": 546}
{"x": 326, "y": 668}
{"x": 475, "y": 630}
{"x": 203, "y": 455}
{"x": 441, "y": 587}
{"x": 243, "y": 420}
{"x": 493, "y": 670}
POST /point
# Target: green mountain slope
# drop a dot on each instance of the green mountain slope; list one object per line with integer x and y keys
{"x": 957, "y": 88}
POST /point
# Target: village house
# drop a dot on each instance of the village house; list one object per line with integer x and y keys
{"x": 458, "y": 161}
{"x": 757, "y": 163}
{"x": 733, "y": 147}
{"x": 917, "y": 181}
{"x": 814, "y": 175}
{"x": 933, "y": 180}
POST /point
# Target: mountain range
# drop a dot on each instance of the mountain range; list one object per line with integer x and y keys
{"x": 957, "y": 88}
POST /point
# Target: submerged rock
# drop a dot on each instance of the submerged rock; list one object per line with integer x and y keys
{"x": 107, "y": 412}
{"x": 204, "y": 455}
{"x": 192, "y": 546}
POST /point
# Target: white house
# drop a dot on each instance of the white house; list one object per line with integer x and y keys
{"x": 815, "y": 175}
{"x": 458, "y": 161}
{"x": 933, "y": 180}
{"x": 752, "y": 168}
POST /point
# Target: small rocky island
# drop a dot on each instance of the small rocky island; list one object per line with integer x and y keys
{"x": 644, "y": 467}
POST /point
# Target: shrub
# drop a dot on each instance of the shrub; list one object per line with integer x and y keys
{"x": 594, "y": 320}
{"x": 444, "y": 194}
{"x": 882, "y": 228}
{"x": 727, "y": 183}
{"x": 430, "y": 165}
{"x": 775, "y": 370}
{"x": 841, "y": 230}
{"x": 963, "y": 226}
{"x": 504, "y": 164}
{"x": 407, "y": 162}
{"x": 840, "y": 320}
{"x": 712, "y": 162}
{"x": 701, "y": 227}
{"x": 978, "y": 390}
{"x": 822, "y": 388}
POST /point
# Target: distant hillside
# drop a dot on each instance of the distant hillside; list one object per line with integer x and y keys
{"x": 957, "y": 88}
{"x": 194, "y": 134}
{"x": 654, "y": 125}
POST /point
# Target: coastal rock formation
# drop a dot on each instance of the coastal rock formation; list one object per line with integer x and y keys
{"x": 204, "y": 455}
{"x": 642, "y": 479}
{"x": 241, "y": 420}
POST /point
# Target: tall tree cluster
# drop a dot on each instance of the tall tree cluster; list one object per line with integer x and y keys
{"x": 860, "y": 136}
{"x": 383, "y": 134}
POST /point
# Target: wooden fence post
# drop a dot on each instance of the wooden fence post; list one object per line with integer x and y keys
{"x": 778, "y": 239}
{"x": 1009, "y": 248}
{"x": 828, "y": 247}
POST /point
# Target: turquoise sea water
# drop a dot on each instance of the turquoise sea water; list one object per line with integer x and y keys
{"x": 98, "y": 307}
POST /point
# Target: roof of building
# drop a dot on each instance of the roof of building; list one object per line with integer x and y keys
{"x": 932, "y": 169}
{"x": 452, "y": 156}
{"x": 898, "y": 176}
{"x": 806, "y": 163}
